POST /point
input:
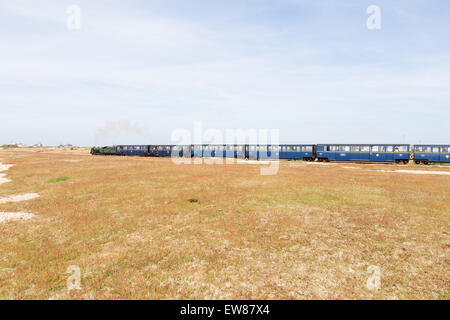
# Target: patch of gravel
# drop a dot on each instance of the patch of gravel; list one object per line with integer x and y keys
{"x": 12, "y": 216}
{"x": 424, "y": 172}
{"x": 3, "y": 179}
{"x": 417, "y": 172}
{"x": 5, "y": 167}
{"x": 18, "y": 197}
{"x": 255, "y": 161}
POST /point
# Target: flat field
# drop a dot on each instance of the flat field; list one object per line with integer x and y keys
{"x": 145, "y": 228}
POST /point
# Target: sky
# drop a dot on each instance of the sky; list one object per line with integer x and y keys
{"x": 136, "y": 71}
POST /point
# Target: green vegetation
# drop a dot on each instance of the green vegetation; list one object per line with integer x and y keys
{"x": 59, "y": 179}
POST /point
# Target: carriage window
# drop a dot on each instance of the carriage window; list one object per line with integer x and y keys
{"x": 309, "y": 149}
{"x": 375, "y": 148}
{"x": 365, "y": 148}
{"x": 418, "y": 149}
{"x": 436, "y": 149}
{"x": 427, "y": 149}
{"x": 382, "y": 148}
{"x": 355, "y": 148}
{"x": 444, "y": 149}
{"x": 389, "y": 148}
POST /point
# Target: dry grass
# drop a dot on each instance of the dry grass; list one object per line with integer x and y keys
{"x": 145, "y": 228}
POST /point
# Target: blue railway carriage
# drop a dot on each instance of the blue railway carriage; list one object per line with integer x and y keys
{"x": 197, "y": 150}
{"x": 133, "y": 150}
{"x": 297, "y": 152}
{"x": 253, "y": 151}
{"x": 180, "y": 151}
{"x": 164, "y": 150}
{"x": 153, "y": 150}
{"x": 398, "y": 153}
{"x": 431, "y": 154}
{"x": 256, "y": 152}
{"x": 234, "y": 151}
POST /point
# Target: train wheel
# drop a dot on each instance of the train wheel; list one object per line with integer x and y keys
{"x": 417, "y": 161}
{"x": 425, "y": 162}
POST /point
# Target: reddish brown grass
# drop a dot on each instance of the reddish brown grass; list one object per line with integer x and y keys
{"x": 144, "y": 228}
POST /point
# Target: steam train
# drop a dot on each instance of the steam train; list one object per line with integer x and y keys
{"x": 390, "y": 153}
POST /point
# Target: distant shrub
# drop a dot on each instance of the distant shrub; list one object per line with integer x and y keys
{"x": 8, "y": 146}
{"x": 56, "y": 180}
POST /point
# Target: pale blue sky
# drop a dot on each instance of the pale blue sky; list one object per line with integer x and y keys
{"x": 137, "y": 70}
